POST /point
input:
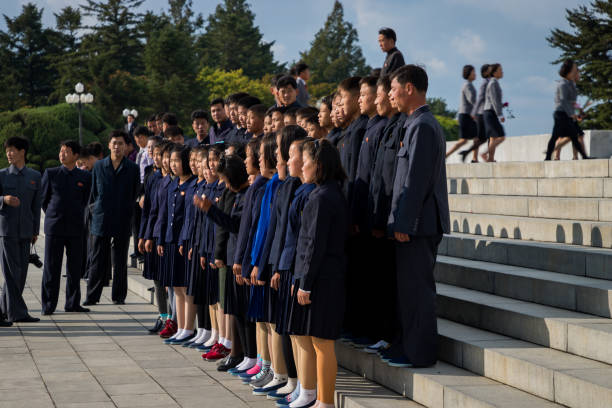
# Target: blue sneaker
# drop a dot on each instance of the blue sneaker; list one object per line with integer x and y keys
{"x": 274, "y": 395}
{"x": 202, "y": 347}
{"x": 401, "y": 362}
{"x": 267, "y": 390}
{"x": 180, "y": 342}
{"x": 284, "y": 402}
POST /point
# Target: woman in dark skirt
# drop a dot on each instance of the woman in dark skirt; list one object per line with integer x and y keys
{"x": 176, "y": 272}
{"x": 467, "y": 125}
{"x": 493, "y": 114}
{"x": 320, "y": 265}
{"x": 566, "y": 126}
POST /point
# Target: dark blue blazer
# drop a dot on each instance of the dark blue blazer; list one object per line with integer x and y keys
{"x": 113, "y": 194}
{"x": 150, "y": 188}
{"x": 420, "y": 199}
{"x": 175, "y": 212}
{"x": 65, "y": 194}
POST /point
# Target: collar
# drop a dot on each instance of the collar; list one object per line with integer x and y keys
{"x": 392, "y": 50}
{"x": 226, "y": 124}
{"x": 65, "y": 169}
{"x": 15, "y": 170}
{"x": 418, "y": 112}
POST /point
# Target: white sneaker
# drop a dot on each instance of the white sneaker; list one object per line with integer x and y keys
{"x": 381, "y": 345}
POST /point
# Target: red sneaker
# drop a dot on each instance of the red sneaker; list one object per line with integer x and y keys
{"x": 169, "y": 330}
{"x": 219, "y": 353}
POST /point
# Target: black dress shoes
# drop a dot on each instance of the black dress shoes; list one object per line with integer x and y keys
{"x": 77, "y": 309}
{"x": 5, "y": 323}
{"x": 119, "y": 302}
{"x": 27, "y": 319}
{"x": 89, "y": 303}
{"x": 232, "y": 362}
{"x": 159, "y": 324}
{"x": 46, "y": 313}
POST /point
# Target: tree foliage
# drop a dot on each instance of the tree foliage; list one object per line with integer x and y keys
{"x": 218, "y": 83}
{"x": 334, "y": 53}
{"x": 588, "y": 43}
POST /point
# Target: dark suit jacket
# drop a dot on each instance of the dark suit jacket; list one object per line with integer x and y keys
{"x": 420, "y": 200}
{"x": 23, "y": 221}
{"x": 112, "y": 197}
{"x": 65, "y": 194}
{"x": 394, "y": 60}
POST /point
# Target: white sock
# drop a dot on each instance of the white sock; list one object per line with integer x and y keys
{"x": 278, "y": 379}
{"x": 242, "y": 363}
{"x": 221, "y": 340}
{"x": 186, "y": 333}
{"x": 201, "y": 337}
{"x": 178, "y": 333}
{"x": 198, "y": 334}
{"x": 227, "y": 344}
{"x": 205, "y": 335}
{"x": 212, "y": 340}
{"x": 290, "y": 387}
{"x": 249, "y": 363}
{"x": 306, "y": 397}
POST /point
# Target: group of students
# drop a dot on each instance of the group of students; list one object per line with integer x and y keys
{"x": 257, "y": 243}
{"x": 481, "y": 115}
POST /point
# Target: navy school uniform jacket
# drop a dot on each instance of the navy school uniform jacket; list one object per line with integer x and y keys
{"x": 223, "y": 234}
{"x": 220, "y": 132}
{"x": 159, "y": 228}
{"x": 263, "y": 224}
{"x": 365, "y": 163}
{"x": 175, "y": 210}
{"x": 197, "y": 220}
{"x": 236, "y": 135}
{"x": 334, "y": 136}
{"x": 420, "y": 199}
{"x": 187, "y": 226}
{"x": 207, "y": 239}
{"x": 294, "y": 221}
{"x": 321, "y": 243}
{"x": 275, "y": 240}
{"x": 229, "y": 220}
{"x": 161, "y": 183}
{"x": 65, "y": 194}
{"x": 113, "y": 193}
{"x": 383, "y": 173}
{"x": 150, "y": 187}
{"x": 349, "y": 147}
{"x": 252, "y": 229}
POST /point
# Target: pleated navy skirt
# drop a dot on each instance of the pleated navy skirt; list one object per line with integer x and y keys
{"x": 197, "y": 286}
{"x": 230, "y": 304}
{"x": 151, "y": 265}
{"x": 175, "y": 270}
{"x": 493, "y": 126}
{"x": 212, "y": 284}
{"x": 283, "y": 298}
{"x": 467, "y": 127}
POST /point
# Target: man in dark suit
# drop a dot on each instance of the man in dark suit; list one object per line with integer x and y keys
{"x": 419, "y": 216}
{"x": 131, "y": 125}
{"x": 200, "y": 124}
{"x": 394, "y": 60}
{"x": 115, "y": 182}
{"x": 19, "y": 227}
{"x": 65, "y": 193}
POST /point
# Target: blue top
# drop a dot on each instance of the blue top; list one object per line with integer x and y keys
{"x": 207, "y": 239}
{"x": 185, "y": 233}
{"x": 247, "y": 219}
{"x": 159, "y": 229}
{"x": 300, "y": 199}
{"x": 264, "y": 218}
{"x": 176, "y": 209}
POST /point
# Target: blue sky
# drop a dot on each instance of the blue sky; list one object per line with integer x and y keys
{"x": 443, "y": 35}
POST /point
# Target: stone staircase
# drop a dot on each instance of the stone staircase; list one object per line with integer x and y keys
{"x": 524, "y": 292}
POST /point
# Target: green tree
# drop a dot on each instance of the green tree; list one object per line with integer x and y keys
{"x": 26, "y": 47}
{"x": 216, "y": 83}
{"x": 70, "y": 65}
{"x": 438, "y": 106}
{"x": 334, "y": 54}
{"x": 68, "y": 21}
{"x": 232, "y": 41}
{"x": 588, "y": 43}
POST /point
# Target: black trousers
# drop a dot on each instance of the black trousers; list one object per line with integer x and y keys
{"x": 382, "y": 323}
{"x": 416, "y": 298}
{"x": 14, "y": 254}
{"x": 136, "y": 226}
{"x": 52, "y": 271}
{"x": 246, "y": 332}
{"x": 103, "y": 249}
{"x": 565, "y": 127}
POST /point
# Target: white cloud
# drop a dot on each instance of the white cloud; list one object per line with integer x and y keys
{"x": 468, "y": 44}
{"x": 280, "y": 51}
{"x": 543, "y": 85}
{"x": 433, "y": 65}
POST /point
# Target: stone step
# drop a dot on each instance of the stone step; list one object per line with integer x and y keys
{"x": 543, "y": 187}
{"x": 575, "y": 293}
{"x": 554, "y": 257}
{"x": 564, "y": 378}
{"x": 588, "y": 233}
{"x": 440, "y": 386}
{"x": 590, "y": 209}
{"x": 353, "y": 391}
{"x": 549, "y": 169}
{"x": 577, "y": 333}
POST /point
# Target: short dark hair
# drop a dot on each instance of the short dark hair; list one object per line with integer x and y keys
{"x": 376, "y": 72}
{"x": 238, "y": 149}
{"x": 172, "y": 131}
{"x": 350, "y": 84}
{"x": 289, "y": 135}
{"x": 142, "y": 130}
{"x": 84, "y": 153}
{"x": 300, "y": 67}
{"x": 274, "y": 79}
{"x": 268, "y": 143}
{"x": 286, "y": 80}
{"x": 235, "y": 97}
{"x": 216, "y": 149}
{"x": 199, "y": 114}
{"x": 467, "y": 71}
{"x": 217, "y": 101}
{"x": 307, "y": 111}
{"x": 249, "y": 101}
{"x": 119, "y": 133}
{"x": 160, "y": 115}
{"x": 313, "y": 120}
{"x": 170, "y": 119}
{"x": 327, "y": 159}
{"x": 385, "y": 82}
{"x": 152, "y": 118}
{"x": 157, "y": 140}
{"x": 18, "y": 143}
{"x": 411, "y": 73}
{"x": 327, "y": 100}
{"x": 167, "y": 146}
{"x": 369, "y": 81}
{"x": 95, "y": 148}
{"x": 494, "y": 68}
{"x": 254, "y": 144}
{"x": 566, "y": 67}
{"x": 388, "y": 33}
{"x": 292, "y": 112}
{"x": 183, "y": 152}
{"x": 75, "y": 147}
{"x": 259, "y": 110}
{"x": 484, "y": 70}
{"x": 232, "y": 168}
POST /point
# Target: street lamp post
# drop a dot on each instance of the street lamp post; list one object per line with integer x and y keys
{"x": 79, "y": 98}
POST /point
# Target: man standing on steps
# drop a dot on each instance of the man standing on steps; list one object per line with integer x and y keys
{"x": 115, "y": 182}
{"x": 65, "y": 193}
{"x": 419, "y": 216}
{"x": 19, "y": 226}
